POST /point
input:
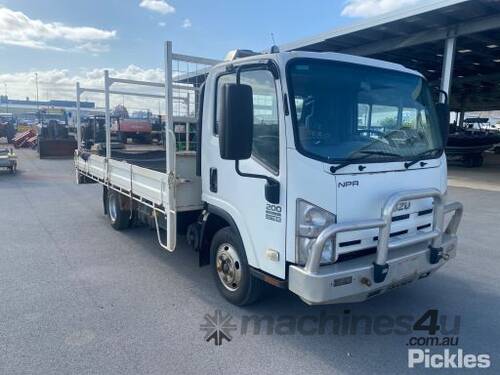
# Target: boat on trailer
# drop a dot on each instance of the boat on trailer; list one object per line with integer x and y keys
{"x": 467, "y": 143}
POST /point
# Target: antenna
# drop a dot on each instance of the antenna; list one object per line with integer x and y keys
{"x": 272, "y": 39}
{"x": 274, "y": 47}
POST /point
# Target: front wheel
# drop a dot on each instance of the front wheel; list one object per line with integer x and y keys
{"x": 231, "y": 270}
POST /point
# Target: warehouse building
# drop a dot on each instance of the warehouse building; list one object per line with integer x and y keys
{"x": 454, "y": 43}
{"x": 27, "y": 109}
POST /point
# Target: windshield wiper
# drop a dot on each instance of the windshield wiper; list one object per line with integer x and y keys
{"x": 421, "y": 156}
{"x": 345, "y": 164}
{"x": 354, "y": 161}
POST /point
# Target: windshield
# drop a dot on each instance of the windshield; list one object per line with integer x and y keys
{"x": 346, "y": 111}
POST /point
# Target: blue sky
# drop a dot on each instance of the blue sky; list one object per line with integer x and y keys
{"x": 217, "y": 26}
{"x": 64, "y": 39}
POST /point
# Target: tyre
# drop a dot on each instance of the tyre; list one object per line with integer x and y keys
{"x": 231, "y": 271}
{"x": 474, "y": 161}
{"x": 468, "y": 161}
{"x": 193, "y": 235}
{"x": 146, "y": 139}
{"x": 478, "y": 161}
{"x": 123, "y": 138}
{"x": 119, "y": 219}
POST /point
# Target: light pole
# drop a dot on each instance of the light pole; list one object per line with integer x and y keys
{"x": 36, "y": 85}
{"x": 6, "y": 98}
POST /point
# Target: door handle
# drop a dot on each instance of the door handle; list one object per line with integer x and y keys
{"x": 213, "y": 180}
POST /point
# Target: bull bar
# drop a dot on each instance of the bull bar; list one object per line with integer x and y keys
{"x": 380, "y": 267}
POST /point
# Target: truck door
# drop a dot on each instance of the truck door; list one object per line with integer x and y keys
{"x": 260, "y": 223}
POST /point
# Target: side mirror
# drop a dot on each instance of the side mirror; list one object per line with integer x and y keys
{"x": 236, "y": 122}
{"x": 443, "y": 114}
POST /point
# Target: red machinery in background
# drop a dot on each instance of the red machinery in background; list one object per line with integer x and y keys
{"x": 140, "y": 130}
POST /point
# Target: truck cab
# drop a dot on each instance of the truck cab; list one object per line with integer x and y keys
{"x": 329, "y": 173}
{"x": 321, "y": 173}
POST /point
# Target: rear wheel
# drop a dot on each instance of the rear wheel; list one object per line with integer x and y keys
{"x": 473, "y": 161}
{"x": 146, "y": 139}
{"x": 123, "y": 138}
{"x": 231, "y": 270}
{"x": 119, "y": 218}
{"x": 478, "y": 161}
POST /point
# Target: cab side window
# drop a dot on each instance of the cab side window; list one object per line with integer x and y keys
{"x": 221, "y": 81}
{"x": 265, "y": 147}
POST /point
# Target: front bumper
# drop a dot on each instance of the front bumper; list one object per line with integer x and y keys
{"x": 396, "y": 262}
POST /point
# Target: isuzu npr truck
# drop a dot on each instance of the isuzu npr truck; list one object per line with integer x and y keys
{"x": 322, "y": 173}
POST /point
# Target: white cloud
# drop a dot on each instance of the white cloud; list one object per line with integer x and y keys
{"x": 369, "y": 8}
{"x": 162, "y": 24}
{"x": 18, "y": 29}
{"x": 186, "y": 24}
{"x": 93, "y": 47}
{"x": 160, "y": 6}
{"x": 61, "y": 83}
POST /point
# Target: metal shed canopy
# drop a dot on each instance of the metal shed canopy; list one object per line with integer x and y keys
{"x": 451, "y": 42}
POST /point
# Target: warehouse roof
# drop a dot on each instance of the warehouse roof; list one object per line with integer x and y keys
{"x": 415, "y": 38}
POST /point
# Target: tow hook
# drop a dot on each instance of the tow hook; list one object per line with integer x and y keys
{"x": 366, "y": 281}
{"x": 380, "y": 272}
{"x": 436, "y": 255}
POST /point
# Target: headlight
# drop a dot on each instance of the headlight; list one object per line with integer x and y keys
{"x": 311, "y": 220}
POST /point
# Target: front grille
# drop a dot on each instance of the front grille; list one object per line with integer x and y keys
{"x": 349, "y": 243}
{"x": 401, "y": 232}
{"x": 424, "y": 226}
{"x": 400, "y": 217}
{"x": 425, "y": 212}
{"x": 361, "y": 246}
{"x": 357, "y": 254}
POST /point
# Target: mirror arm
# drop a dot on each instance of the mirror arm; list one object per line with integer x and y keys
{"x": 238, "y": 75}
{"x": 272, "y": 188}
{"x": 251, "y": 175}
{"x": 445, "y": 94}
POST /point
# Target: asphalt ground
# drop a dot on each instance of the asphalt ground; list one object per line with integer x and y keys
{"x": 77, "y": 296}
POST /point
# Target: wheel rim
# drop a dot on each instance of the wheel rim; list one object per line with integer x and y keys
{"x": 112, "y": 207}
{"x": 228, "y": 267}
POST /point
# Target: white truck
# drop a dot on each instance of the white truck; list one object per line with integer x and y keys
{"x": 322, "y": 173}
